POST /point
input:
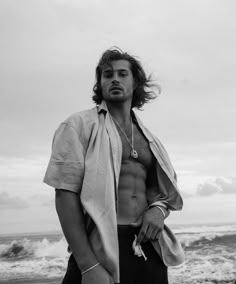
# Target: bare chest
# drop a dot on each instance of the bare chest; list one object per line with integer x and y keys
{"x": 140, "y": 145}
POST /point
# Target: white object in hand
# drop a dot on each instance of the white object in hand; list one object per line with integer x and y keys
{"x": 138, "y": 249}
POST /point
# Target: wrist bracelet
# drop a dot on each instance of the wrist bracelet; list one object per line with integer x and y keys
{"x": 162, "y": 211}
{"x": 159, "y": 207}
{"x": 90, "y": 268}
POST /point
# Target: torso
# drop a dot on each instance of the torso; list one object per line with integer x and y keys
{"x": 132, "y": 199}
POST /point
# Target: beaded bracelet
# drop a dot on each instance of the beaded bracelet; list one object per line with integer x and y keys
{"x": 90, "y": 268}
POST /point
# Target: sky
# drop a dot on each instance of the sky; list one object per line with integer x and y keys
{"x": 48, "y": 55}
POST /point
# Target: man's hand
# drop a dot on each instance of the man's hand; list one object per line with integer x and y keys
{"x": 97, "y": 275}
{"x": 152, "y": 225}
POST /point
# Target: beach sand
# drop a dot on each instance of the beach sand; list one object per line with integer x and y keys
{"x": 32, "y": 281}
{"x": 185, "y": 280}
{"x": 58, "y": 281}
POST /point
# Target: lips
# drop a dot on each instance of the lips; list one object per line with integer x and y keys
{"x": 116, "y": 88}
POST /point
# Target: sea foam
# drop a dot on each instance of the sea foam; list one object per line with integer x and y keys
{"x": 210, "y": 256}
{"x": 26, "y": 248}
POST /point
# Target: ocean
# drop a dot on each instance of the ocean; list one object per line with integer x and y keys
{"x": 42, "y": 258}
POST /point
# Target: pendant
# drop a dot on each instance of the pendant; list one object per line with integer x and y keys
{"x": 134, "y": 154}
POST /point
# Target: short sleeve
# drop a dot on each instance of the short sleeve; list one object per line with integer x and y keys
{"x": 66, "y": 166}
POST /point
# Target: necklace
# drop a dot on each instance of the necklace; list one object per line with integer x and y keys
{"x": 133, "y": 153}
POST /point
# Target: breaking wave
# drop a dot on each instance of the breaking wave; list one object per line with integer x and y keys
{"x": 210, "y": 255}
{"x": 27, "y": 248}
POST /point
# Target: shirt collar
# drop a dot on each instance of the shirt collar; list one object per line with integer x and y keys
{"x": 103, "y": 107}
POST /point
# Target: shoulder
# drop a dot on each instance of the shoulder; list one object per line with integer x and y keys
{"x": 83, "y": 122}
{"x": 82, "y": 118}
{"x": 80, "y": 124}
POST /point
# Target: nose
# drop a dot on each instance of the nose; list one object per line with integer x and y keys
{"x": 115, "y": 79}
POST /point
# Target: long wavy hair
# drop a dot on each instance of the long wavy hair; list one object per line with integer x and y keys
{"x": 143, "y": 91}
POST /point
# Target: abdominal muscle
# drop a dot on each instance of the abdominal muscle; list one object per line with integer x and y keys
{"x": 132, "y": 200}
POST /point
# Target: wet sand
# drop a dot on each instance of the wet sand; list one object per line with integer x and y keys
{"x": 58, "y": 281}
{"x": 32, "y": 281}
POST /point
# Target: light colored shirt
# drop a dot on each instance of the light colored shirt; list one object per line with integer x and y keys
{"x": 86, "y": 159}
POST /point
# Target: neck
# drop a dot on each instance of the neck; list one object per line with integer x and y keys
{"x": 122, "y": 113}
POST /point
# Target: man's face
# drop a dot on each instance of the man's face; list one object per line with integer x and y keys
{"x": 117, "y": 82}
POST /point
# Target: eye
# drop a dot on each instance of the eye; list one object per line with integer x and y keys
{"x": 107, "y": 74}
{"x": 123, "y": 73}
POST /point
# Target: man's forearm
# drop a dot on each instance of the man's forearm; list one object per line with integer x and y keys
{"x": 71, "y": 217}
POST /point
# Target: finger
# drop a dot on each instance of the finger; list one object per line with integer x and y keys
{"x": 157, "y": 237}
{"x": 141, "y": 234}
{"x": 149, "y": 233}
{"x": 155, "y": 234}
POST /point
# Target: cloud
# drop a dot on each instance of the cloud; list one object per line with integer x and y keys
{"x": 8, "y": 202}
{"x": 227, "y": 186}
{"x": 208, "y": 188}
{"x": 219, "y": 185}
{"x": 42, "y": 200}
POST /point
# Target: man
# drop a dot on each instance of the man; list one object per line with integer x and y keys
{"x": 114, "y": 184}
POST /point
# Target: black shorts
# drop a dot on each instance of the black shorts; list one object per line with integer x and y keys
{"x": 133, "y": 269}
